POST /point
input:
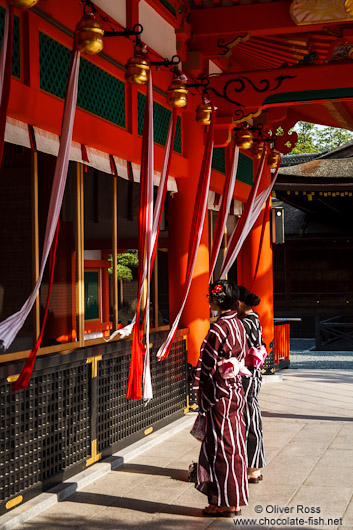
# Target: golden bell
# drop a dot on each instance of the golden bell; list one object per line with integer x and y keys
{"x": 177, "y": 94}
{"x": 257, "y": 149}
{"x": 23, "y": 3}
{"x": 273, "y": 159}
{"x": 244, "y": 139}
{"x": 137, "y": 70}
{"x": 203, "y": 113}
{"x": 89, "y": 35}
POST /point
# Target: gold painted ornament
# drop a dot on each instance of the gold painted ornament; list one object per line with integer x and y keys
{"x": 203, "y": 113}
{"x": 177, "y": 94}
{"x": 273, "y": 159}
{"x": 89, "y": 35}
{"x": 137, "y": 70}
{"x": 22, "y": 4}
{"x": 244, "y": 139}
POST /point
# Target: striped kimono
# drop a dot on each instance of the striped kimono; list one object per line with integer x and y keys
{"x": 222, "y": 465}
{"x": 252, "y": 385}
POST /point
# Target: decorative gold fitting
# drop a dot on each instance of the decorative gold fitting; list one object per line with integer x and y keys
{"x": 137, "y": 70}
{"x": 204, "y": 113}
{"x": 89, "y": 35}
{"x": 244, "y": 139}
{"x": 177, "y": 94}
{"x": 22, "y": 4}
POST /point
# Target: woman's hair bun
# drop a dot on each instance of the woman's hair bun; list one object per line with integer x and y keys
{"x": 249, "y": 299}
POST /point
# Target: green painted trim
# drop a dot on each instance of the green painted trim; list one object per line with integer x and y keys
{"x": 245, "y": 169}
{"x": 309, "y": 95}
{"x": 169, "y": 6}
{"x": 219, "y": 159}
{"x": 70, "y": 33}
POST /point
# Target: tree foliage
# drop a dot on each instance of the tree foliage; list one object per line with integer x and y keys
{"x": 315, "y": 139}
{"x": 126, "y": 262}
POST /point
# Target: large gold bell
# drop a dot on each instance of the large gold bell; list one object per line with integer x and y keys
{"x": 244, "y": 139}
{"x": 23, "y": 3}
{"x": 177, "y": 94}
{"x": 203, "y": 113}
{"x": 257, "y": 149}
{"x": 273, "y": 159}
{"x": 89, "y": 35}
{"x": 137, "y": 70}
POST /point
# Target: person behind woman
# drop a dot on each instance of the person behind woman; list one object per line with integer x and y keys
{"x": 252, "y": 385}
{"x": 222, "y": 465}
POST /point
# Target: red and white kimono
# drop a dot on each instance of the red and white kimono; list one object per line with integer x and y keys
{"x": 222, "y": 466}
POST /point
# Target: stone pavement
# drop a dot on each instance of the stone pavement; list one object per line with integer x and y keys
{"x": 308, "y": 482}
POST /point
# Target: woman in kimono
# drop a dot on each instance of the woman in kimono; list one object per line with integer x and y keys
{"x": 252, "y": 385}
{"x": 222, "y": 465}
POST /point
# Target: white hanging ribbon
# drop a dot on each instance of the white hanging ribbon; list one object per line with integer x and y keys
{"x": 12, "y": 325}
{"x": 127, "y": 330}
{"x": 224, "y": 210}
{"x": 253, "y": 213}
{"x": 199, "y": 218}
{"x": 4, "y": 47}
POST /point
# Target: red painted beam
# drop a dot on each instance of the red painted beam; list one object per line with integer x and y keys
{"x": 271, "y": 18}
{"x": 250, "y": 91}
{"x": 210, "y": 24}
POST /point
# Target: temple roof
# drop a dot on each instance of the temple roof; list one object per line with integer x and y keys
{"x": 322, "y": 187}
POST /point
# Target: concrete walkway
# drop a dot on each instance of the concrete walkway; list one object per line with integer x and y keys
{"x": 308, "y": 482}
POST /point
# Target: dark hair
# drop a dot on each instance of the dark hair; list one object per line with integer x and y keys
{"x": 225, "y": 293}
{"x": 249, "y": 299}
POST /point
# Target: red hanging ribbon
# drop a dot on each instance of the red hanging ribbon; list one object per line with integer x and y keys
{"x": 163, "y": 191}
{"x": 134, "y": 386}
{"x": 32, "y": 138}
{"x": 6, "y": 81}
{"x": 23, "y": 380}
{"x": 113, "y": 166}
{"x": 84, "y": 154}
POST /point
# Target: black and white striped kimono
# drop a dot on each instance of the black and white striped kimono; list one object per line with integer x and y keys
{"x": 252, "y": 385}
{"x": 222, "y": 465}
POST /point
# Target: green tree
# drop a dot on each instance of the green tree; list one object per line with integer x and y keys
{"x": 126, "y": 262}
{"x": 315, "y": 139}
{"x": 306, "y": 138}
{"x": 330, "y": 138}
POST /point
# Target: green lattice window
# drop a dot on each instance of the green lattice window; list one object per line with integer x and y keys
{"x": 219, "y": 159}
{"x": 245, "y": 169}
{"x": 16, "y": 69}
{"x": 98, "y": 92}
{"x": 161, "y": 118}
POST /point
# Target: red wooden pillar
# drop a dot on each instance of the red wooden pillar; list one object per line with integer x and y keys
{"x": 180, "y": 211}
{"x": 246, "y": 265}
